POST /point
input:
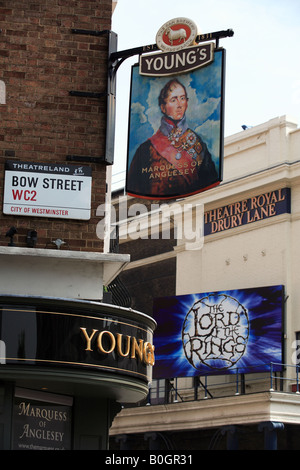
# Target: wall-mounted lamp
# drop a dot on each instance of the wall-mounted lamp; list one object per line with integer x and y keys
{"x": 10, "y": 233}
{"x": 31, "y": 238}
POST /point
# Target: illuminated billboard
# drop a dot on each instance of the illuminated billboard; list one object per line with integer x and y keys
{"x": 219, "y": 332}
{"x": 175, "y": 136}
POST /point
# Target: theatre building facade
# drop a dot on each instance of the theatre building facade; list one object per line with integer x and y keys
{"x": 226, "y": 304}
{"x": 68, "y": 359}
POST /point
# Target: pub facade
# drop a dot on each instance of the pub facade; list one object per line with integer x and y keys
{"x": 68, "y": 358}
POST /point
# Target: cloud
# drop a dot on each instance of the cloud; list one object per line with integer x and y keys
{"x": 203, "y": 111}
{"x": 138, "y": 110}
{"x": 210, "y": 133}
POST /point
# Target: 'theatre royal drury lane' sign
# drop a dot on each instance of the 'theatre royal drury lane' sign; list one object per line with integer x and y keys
{"x": 47, "y": 190}
{"x": 247, "y": 211}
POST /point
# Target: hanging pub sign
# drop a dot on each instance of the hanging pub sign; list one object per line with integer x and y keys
{"x": 224, "y": 332}
{"x": 47, "y": 190}
{"x": 175, "y": 136}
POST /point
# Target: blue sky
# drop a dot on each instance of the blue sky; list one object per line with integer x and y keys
{"x": 262, "y": 64}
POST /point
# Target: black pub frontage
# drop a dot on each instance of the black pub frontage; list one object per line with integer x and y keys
{"x": 66, "y": 366}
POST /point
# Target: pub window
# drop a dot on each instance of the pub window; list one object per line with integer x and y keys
{"x": 41, "y": 420}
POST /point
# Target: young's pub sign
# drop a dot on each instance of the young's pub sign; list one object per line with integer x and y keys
{"x": 175, "y": 135}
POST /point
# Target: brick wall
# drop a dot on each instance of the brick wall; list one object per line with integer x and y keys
{"x": 41, "y": 61}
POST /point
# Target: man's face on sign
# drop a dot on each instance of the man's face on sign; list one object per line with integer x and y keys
{"x": 176, "y": 103}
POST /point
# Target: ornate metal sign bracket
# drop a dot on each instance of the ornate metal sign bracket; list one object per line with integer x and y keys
{"x": 118, "y": 57}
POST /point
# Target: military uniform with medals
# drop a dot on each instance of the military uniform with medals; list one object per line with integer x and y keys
{"x": 174, "y": 161}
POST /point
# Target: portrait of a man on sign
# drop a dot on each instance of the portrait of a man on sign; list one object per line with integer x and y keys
{"x": 175, "y": 136}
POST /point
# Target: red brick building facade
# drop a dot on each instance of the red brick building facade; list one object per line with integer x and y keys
{"x": 42, "y": 61}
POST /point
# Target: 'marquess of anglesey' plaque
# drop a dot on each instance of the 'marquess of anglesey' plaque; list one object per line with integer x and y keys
{"x": 215, "y": 332}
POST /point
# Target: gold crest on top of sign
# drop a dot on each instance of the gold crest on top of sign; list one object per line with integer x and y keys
{"x": 176, "y": 34}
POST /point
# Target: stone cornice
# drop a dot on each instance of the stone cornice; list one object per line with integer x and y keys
{"x": 209, "y": 413}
